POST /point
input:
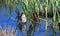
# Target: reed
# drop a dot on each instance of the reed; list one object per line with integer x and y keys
{"x": 7, "y": 31}
{"x": 46, "y": 8}
{"x": 11, "y": 4}
{"x": 34, "y": 8}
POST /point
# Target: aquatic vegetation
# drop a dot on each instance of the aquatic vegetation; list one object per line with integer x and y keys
{"x": 45, "y": 9}
{"x": 11, "y": 4}
{"x": 7, "y": 31}
{"x": 35, "y": 11}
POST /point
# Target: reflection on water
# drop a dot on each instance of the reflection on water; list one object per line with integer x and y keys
{"x": 41, "y": 28}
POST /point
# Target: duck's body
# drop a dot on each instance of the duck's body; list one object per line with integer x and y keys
{"x": 22, "y": 27}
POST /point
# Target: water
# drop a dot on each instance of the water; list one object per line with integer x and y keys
{"x": 4, "y": 21}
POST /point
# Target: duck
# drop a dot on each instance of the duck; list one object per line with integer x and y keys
{"x": 22, "y": 24}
